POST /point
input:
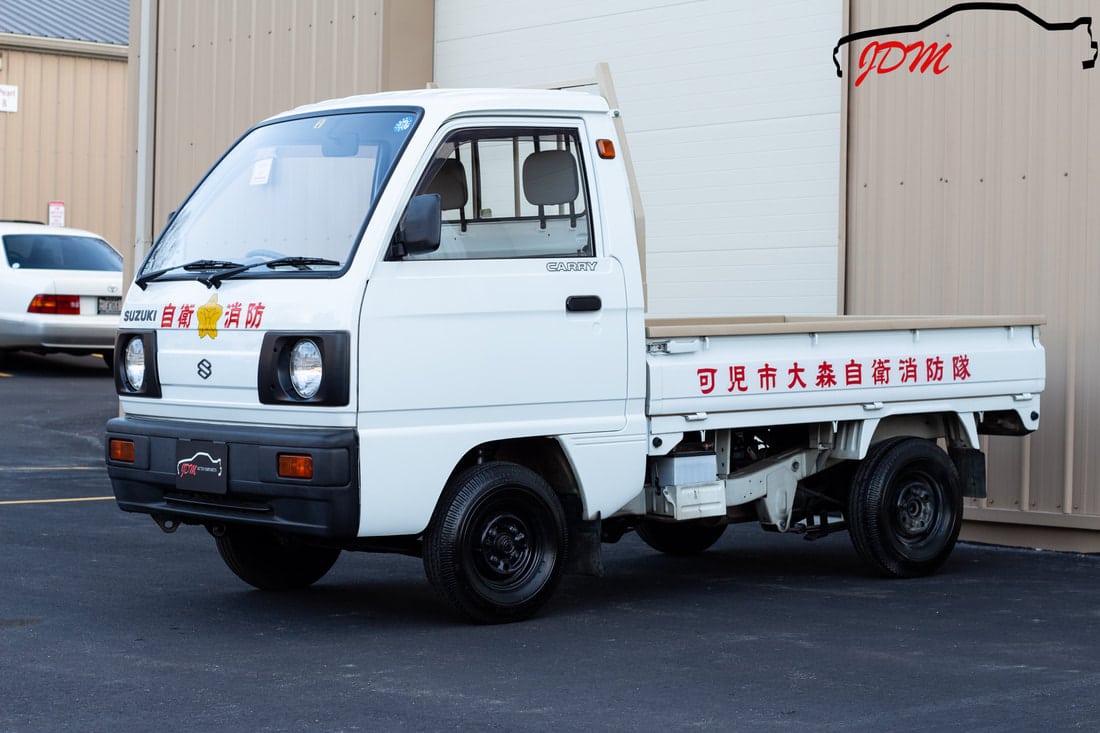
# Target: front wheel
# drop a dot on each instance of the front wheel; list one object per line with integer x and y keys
{"x": 270, "y": 561}
{"x": 905, "y": 507}
{"x": 496, "y": 545}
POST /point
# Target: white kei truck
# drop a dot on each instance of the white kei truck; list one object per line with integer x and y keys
{"x": 415, "y": 322}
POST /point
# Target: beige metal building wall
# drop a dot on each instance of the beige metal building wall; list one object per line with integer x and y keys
{"x": 223, "y": 65}
{"x": 67, "y": 139}
{"x": 973, "y": 191}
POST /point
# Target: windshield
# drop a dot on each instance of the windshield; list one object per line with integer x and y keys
{"x": 298, "y": 188}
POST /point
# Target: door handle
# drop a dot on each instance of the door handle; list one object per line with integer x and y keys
{"x": 582, "y": 303}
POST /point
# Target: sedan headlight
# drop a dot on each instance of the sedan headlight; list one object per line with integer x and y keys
{"x": 306, "y": 368}
{"x": 134, "y": 364}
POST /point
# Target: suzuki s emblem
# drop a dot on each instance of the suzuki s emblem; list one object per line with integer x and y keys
{"x": 205, "y": 369}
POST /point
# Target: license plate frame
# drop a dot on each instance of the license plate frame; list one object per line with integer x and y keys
{"x": 202, "y": 466}
{"x": 109, "y": 305}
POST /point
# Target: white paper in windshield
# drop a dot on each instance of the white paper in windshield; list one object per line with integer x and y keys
{"x": 261, "y": 172}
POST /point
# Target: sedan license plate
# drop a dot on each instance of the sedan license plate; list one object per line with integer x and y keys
{"x": 110, "y": 305}
{"x": 202, "y": 466}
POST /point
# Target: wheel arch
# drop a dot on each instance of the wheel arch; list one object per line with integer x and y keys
{"x": 543, "y": 455}
{"x": 959, "y": 429}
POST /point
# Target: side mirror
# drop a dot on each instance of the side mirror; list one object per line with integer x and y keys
{"x": 419, "y": 231}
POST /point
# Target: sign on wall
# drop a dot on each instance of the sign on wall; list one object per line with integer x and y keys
{"x": 9, "y": 98}
{"x": 56, "y": 213}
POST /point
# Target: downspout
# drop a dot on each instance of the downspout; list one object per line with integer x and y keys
{"x": 145, "y": 127}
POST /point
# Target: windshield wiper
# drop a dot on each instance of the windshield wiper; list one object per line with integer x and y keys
{"x": 143, "y": 281}
{"x": 299, "y": 263}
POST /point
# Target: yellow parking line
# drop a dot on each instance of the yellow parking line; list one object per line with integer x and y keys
{"x": 56, "y": 501}
{"x": 50, "y": 468}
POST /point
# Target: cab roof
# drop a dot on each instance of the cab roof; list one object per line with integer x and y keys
{"x": 445, "y": 103}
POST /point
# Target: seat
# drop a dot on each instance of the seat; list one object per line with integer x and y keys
{"x": 450, "y": 184}
{"x": 550, "y": 179}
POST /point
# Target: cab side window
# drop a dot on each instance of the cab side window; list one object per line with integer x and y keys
{"x": 510, "y": 193}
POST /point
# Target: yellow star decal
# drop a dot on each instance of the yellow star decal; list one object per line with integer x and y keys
{"x": 208, "y": 317}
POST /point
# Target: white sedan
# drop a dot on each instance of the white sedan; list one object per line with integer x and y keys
{"x": 60, "y": 290}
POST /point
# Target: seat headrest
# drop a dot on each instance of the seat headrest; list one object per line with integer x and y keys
{"x": 450, "y": 184}
{"x": 550, "y": 177}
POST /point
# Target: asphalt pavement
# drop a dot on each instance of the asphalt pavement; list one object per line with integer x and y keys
{"x": 108, "y": 624}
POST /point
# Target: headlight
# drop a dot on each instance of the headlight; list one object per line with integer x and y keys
{"x": 306, "y": 369}
{"x": 134, "y": 364}
{"x": 303, "y": 368}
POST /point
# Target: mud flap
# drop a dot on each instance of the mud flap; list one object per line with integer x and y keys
{"x": 585, "y": 555}
{"x": 970, "y": 463}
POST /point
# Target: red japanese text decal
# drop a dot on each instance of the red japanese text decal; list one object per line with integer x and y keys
{"x": 211, "y": 316}
{"x": 796, "y": 376}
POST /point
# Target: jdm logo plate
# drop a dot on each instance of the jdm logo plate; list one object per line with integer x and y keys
{"x": 202, "y": 466}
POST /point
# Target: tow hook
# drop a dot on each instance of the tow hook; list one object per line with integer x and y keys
{"x": 167, "y": 524}
{"x": 217, "y": 530}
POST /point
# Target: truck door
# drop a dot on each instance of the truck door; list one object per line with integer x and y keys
{"x": 517, "y": 324}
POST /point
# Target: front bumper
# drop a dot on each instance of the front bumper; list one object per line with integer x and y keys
{"x": 326, "y": 505}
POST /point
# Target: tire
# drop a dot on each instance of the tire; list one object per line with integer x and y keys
{"x": 495, "y": 549}
{"x": 905, "y": 508}
{"x": 273, "y": 562}
{"x": 679, "y": 538}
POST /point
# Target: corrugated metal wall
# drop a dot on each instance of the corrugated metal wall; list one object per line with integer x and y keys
{"x": 223, "y": 65}
{"x": 67, "y": 141}
{"x": 969, "y": 191}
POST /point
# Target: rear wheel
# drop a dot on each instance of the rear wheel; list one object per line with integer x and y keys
{"x": 496, "y": 546}
{"x": 679, "y": 538}
{"x": 905, "y": 507}
{"x": 270, "y": 561}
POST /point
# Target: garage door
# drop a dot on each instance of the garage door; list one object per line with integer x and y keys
{"x": 732, "y": 109}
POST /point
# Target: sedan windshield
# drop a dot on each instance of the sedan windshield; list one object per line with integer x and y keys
{"x": 299, "y": 188}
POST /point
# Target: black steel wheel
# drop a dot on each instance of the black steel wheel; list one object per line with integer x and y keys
{"x": 496, "y": 546}
{"x": 905, "y": 507}
{"x": 679, "y": 538}
{"x": 270, "y": 561}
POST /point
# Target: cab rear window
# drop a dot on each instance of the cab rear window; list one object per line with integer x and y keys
{"x": 60, "y": 252}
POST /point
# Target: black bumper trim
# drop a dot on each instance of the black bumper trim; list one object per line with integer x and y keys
{"x": 325, "y": 506}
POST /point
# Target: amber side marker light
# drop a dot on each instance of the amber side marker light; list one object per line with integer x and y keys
{"x": 606, "y": 148}
{"x": 295, "y": 466}
{"x": 122, "y": 450}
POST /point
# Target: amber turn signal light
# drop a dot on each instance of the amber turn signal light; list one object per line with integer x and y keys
{"x": 606, "y": 148}
{"x": 122, "y": 450}
{"x": 295, "y": 466}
